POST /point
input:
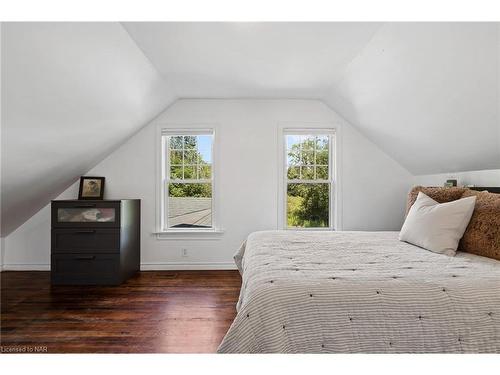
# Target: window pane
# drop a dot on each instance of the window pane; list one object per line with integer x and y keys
{"x": 322, "y": 142}
{"x": 205, "y": 171}
{"x": 189, "y": 205}
{"x": 190, "y": 157}
{"x": 307, "y": 149}
{"x": 189, "y": 142}
{"x": 194, "y": 153}
{"x": 308, "y": 143}
{"x": 189, "y": 172}
{"x": 204, "y": 149}
{"x": 293, "y": 157}
{"x": 300, "y": 150}
{"x": 293, "y": 173}
{"x": 175, "y": 157}
{"x": 292, "y": 141}
{"x": 176, "y": 142}
{"x": 307, "y": 157}
{"x": 307, "y": 173}
{"x": 176, "y": 172}
{"x": 322, "y": 172}
{"x": 322, "y": 157}
{"x": 308, "y": 205}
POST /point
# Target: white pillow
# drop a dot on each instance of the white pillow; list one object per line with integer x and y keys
{"x": 437, "y": 227}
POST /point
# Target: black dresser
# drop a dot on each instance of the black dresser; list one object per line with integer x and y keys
{"x": 95, "y": 242}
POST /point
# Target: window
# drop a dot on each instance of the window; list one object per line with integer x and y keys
{"x": 187, "y": 180}
{"x": 308, "y": 179}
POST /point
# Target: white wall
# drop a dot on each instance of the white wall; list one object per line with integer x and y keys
{"x": 484, "y": 178}
{"x": 71, "y": 93}
{"x": 427, "y": 94}
{"x": 1, "y": 238}
{"x": 28, "y": 247}
{"x": 2, "y": 245}
{"x": 374, "y": 186}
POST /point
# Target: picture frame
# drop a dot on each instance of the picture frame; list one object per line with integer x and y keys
{"x": 91, "y": 188}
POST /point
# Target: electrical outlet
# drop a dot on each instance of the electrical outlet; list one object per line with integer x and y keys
{"x": 184, "y": 252}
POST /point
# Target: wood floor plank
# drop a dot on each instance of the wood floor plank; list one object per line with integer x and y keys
{"x": 153, "y": 312}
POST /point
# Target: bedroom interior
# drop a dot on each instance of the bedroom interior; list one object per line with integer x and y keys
{"x": 250, "y": 187}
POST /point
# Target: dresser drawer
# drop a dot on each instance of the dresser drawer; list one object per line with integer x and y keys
{"x": 100, "y": 241}
{"x": 85, "y": 269}
{"x": 78, "y": 214}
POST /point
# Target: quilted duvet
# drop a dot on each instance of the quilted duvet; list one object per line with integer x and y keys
{"x": 361, "y": 292}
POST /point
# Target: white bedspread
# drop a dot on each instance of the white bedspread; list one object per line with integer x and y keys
{"x": 361, "y": 292}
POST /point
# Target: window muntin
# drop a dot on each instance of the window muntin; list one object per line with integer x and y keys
{"x": 308, "y": 179}
{"x": 188, "y": 181}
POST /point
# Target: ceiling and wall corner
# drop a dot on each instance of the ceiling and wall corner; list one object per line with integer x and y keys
{"x": 71, "y": 93}
{"x": 247, "y": 182}
{"x": 2, "y": 239}
{"x": 484, "y": 178}
{"x": 2, "y": 245}
{"x": 427, "y": 95}
{"x": 251, "y": 59}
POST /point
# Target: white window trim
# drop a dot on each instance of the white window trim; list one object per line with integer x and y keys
{"x": 161, "y": 231}
{"x": 335, "y": 163}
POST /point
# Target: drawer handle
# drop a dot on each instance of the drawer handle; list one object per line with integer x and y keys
{"x": 91, "y": 257}
{"x": 85, "y": 232}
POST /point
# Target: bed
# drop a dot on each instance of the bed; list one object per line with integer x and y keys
{"x": 361, "y": 292}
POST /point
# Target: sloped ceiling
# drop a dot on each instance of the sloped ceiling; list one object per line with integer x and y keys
{"x": 427, "y": 94}
{"x": 71, "y": 93}
{"x": 258, "y": 60}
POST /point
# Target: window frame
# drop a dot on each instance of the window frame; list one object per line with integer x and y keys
{"x": 164, "y": 180}
{"x": 335, "y": 206}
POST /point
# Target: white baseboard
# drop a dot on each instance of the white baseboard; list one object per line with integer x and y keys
{"x": 194, "y": 266}
{"x": 26, "y": 267}
{"x": 170, "y": 266}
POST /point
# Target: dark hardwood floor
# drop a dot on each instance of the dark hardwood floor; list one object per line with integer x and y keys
{"x": 154, "y": 312}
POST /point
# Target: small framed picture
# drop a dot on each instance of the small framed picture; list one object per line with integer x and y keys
{"x": 91, "y": 188}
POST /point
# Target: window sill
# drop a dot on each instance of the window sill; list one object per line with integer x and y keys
{"x": 189, "y": 234}
{"x": 311, "y": 229}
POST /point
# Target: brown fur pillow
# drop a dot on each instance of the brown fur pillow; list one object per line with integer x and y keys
{"x": 482, "y": 236}
{"x": 439, "y": 194}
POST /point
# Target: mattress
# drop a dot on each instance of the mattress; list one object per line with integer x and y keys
{"x": 361, "y": 292}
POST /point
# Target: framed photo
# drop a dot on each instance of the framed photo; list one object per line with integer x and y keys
{"x": 91, "y": 188}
